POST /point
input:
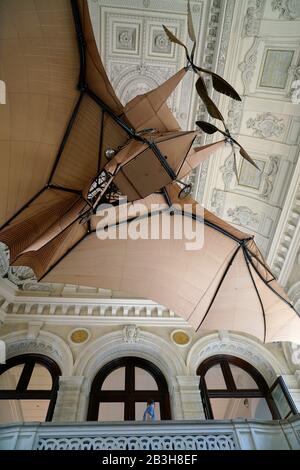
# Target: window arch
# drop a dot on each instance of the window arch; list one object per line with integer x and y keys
{"x": 28, "y": 388}
{"x": 122, "y": 387}
{"x": 231, "y": 387}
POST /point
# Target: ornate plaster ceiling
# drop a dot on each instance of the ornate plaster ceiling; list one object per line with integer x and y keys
{"x": 255, "y": 45}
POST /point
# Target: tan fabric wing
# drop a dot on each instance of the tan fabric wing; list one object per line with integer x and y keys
{"x": 41, "y": 260}
{"x": 95, "y": 73}
{"x": 211, "y": 287}
{"x": 119, "y": 214}
{"x": 175, "y": 148}
{"x": 282, "y": 322}
{"x": 259, "y": 262}
{"x": 197, "y": 155}
{"x": 141, "y": 172}
{"x": 29, "y": 227}
{"x": 151, "y": 111}
{"x": 78, "y": 163}
{"x": 113, "y": 137}
{"x": 162, "y": 270}
{"x": 214, "y": 220}
{"x": 236, "y": 305}
{"x": 41, "y": 94}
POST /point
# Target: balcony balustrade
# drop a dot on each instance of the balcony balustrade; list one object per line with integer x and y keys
{"x": 163, "y": 435}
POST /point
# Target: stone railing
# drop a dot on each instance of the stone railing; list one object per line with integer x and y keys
{"x": 175, "y": 442}
{"x": 172, "y": 435}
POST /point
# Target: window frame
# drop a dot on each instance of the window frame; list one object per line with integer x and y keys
{"x": 224, "y": 360}
{"x": 21, "y": 392}
{"x": 281, "y": 383}
{"x": 129, "y": 396}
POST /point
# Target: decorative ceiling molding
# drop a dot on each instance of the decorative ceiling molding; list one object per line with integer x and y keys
{"x": 286, "y": 241}
{"x": 248, "y": 66}
{"x": 288, "y": 9}
{"x": 220, "y": 22}
{"x": 261, "y": 121}
{"x": 220, "y": 25}
{"x": 266, "y": 125}
{"x": 253, "y": 17}
{"x": 244, "y": 216}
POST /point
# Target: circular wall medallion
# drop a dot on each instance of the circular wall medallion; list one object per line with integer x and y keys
{"x": 180, "y": 337}
{"x": 79, "y": 336}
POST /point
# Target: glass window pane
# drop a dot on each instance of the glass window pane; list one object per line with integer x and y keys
{"x": 111, "y": 411}
{"x": 144, "y": 380}
{"x": 242, "y": 379}
{"x": 23, "y": 410}
{"x": 10, "y": 411}
{"x": 281, "y": 401}
{"x": 259, "y": 408}
{"x": 10, "y": 378}
{"x": 40, "y": 379}
{"x": 34, "y": 410}
{"x": 214, "y": 378}
{"x": 115, "y": 380}
{"x": 140, "y": 408}
{"x": 230, "y": 408}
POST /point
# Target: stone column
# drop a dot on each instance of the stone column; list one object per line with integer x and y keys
{"x": 72, "y": 399}
{"x": 191, "y": 402}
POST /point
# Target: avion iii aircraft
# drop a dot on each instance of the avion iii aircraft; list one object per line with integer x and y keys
{"x": 68, "y": 145}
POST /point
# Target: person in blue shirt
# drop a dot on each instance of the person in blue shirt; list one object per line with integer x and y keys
{"x": 149, "y": 413}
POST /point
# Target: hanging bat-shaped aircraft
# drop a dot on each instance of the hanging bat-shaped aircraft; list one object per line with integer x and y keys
{"x": 68, "y": 146}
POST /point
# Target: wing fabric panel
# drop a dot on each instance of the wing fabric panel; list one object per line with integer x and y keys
{"x": 41, "y": 93}
{"x": 79, "y": 160}
{"x": 96, "y": 76}
{"x": 40, "y": 260}
{"x": 151, "y": 111}
{"x": 209, "y": 287}
{"x": 43, "y": 220}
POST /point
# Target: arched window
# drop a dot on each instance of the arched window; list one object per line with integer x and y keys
{"x": 231, "y": 388}
{"x": 28, "y": 388}
{"x": 122, "y": 387}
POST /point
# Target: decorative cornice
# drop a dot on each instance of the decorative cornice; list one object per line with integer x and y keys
{"x": 215, "y": 51}
{"x": 286, "y": 241}
{"x": 17, "y": 308}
